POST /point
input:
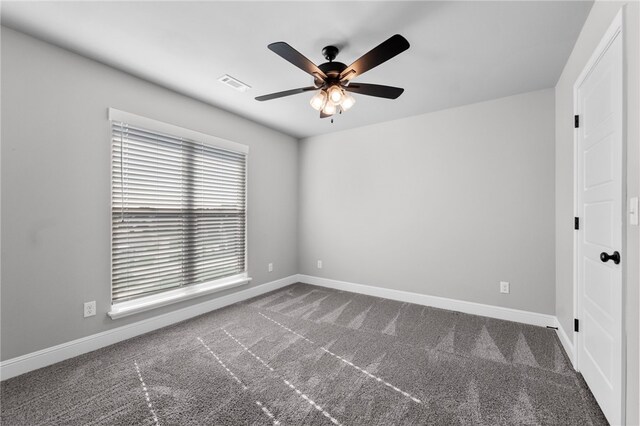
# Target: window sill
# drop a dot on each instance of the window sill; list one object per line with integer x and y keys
{"x": 130, "y": 307}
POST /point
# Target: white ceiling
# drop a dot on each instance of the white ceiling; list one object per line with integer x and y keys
{"x": 461, "y": 52}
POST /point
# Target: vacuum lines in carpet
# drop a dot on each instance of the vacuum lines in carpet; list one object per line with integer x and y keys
{"x": 306, "y": 355}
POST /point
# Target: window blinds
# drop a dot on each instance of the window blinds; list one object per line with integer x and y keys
{"x": 178, "y": 212}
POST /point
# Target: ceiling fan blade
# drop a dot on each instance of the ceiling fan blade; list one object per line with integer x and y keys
{"x": 377, "y": 90}
{"x": 296, "y": 58}
{"x": 323, "y": 115}
{"x": 285, "y": 93}
{"x": 376, "y": 56}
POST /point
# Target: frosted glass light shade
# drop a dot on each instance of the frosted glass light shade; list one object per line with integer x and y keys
{"x": 335, "y": 94}
{"x": 347, "y": 102}
{"x": 318, "y": 100}
{"x": 329, "y": 108}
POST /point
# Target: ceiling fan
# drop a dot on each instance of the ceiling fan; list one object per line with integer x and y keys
{"x": 332, "y": 80}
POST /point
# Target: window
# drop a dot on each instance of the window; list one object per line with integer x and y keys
{"x": 178, "y": 213}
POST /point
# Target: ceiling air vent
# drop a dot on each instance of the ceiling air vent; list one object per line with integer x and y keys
{"x": 234, "y": 83}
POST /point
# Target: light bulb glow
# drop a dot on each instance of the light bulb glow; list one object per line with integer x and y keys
{"x": 347, "y": 102}
{"x": 318, "y": 100}
{"x": 335, "y": 94}
{"x": 329, "y": 108}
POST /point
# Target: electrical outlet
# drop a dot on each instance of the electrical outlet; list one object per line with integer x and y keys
{"x": 504, "y": 287}
{"x": 270, "y": 267}
{"x": 319, "y": 264}
{"x": 90, "y": 308}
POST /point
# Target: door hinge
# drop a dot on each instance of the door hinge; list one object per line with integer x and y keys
{"x": 576, "y": 223}
{"x": 576, "y": 121}
{"x": 576, "y": 325}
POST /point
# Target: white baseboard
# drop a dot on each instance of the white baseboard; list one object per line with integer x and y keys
{"x": 42, "y": 358}
{"x": 491, "y": 311}
{"x": 567, "y": 344}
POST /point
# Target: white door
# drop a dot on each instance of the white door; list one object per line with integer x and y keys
{"x": 599, "y": 240}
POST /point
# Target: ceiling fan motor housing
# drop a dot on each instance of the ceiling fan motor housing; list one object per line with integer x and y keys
{"x": 331, "y": 69}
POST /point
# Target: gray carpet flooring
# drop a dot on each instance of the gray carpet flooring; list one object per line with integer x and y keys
{"x": 314, "y": 356}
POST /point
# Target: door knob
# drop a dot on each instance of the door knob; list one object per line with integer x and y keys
{"x": 605, "y": 257}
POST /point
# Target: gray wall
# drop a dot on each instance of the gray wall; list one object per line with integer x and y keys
{"x": 594, "y": 28}
{"x": 446, "y": 204}
{"x": 55, "y": 189}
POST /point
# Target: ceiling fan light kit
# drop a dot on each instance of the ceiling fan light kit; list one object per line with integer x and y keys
{"x": 328, "y": 101}
{"x": 332, "y": 80}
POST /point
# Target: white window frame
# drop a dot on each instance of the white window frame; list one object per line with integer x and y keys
{"x": 145, "y": 303}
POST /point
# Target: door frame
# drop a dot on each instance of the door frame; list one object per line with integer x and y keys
{"x": 615, "y": 30}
